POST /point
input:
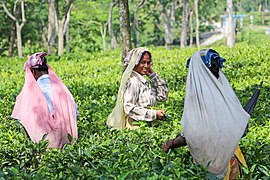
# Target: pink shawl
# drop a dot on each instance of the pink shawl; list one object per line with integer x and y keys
{"x": 32, "y": 111}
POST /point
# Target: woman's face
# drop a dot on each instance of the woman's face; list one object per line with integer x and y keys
{"x": 144, "y": 64}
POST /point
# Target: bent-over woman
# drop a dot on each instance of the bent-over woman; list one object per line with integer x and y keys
{"x": 213, "y": 120}
{"x": 45, "y": 105}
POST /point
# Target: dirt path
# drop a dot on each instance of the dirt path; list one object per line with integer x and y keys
{"x": 211, "y": 39}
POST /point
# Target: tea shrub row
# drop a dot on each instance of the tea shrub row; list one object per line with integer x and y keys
{"x": 100, "y": 153}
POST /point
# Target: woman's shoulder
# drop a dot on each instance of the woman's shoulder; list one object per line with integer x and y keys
{"x": 133, "y": 80}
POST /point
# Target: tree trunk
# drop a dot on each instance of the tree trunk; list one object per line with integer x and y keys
{"x": 52, "y": 22}
{"x": 67, "y": 39}
{"x": 184, "y": 24}
{"x": 229, "y": 24}
{"x": 66, "y": 30}
{"x": 261, "y": 6}
{"x": 261, "y": 10}
{"x": 124, "y": 27}
{"x": 44, "y": 36}
{"x": 168, "y": 20}
{"x": 136, "y": 23}
{"x": 19, "y": 39}
{"x": 12, "y": 39}
{"x": 62, "y": 23}
{"x": 61, "y": 38}
{"x": 263, "y": 18}
{"x": 17, "y": 23}
{"x": 191, "y": 28}
{"x": 42, "y": 40}
{"x": 196, "y": 3}
{"x": 113, "y": 39}
{"x": 103, "y": 30}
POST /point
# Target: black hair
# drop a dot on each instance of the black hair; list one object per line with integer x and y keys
{"x": 214, "y": 67}
{"x": 145, "y": 53}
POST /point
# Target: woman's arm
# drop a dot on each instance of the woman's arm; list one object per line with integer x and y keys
{"x": 159, "y": 89}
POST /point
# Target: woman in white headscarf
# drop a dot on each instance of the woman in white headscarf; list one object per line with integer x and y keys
{"x": 136, "y": 95}
{"x": 213, "y": 120}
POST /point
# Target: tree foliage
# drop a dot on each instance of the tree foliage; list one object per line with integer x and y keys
{"x": 89, "y": 19}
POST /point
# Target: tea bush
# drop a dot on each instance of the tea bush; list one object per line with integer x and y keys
{"x": 100, "y": 153}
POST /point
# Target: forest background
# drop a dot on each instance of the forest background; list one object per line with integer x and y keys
{"x": 84, "y": 40}
{"x": 60, "y": 27}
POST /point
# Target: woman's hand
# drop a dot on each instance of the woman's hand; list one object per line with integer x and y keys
{"x": 150, "y": 71}
{"x": 160, "y": 114}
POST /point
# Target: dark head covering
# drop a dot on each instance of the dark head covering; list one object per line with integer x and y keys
{"x": 212, "y": 60}
{"x": 208, "y": 56}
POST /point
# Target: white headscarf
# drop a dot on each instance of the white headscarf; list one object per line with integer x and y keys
{"x": 118, "y": 119}
{"x": 213, "y": 120}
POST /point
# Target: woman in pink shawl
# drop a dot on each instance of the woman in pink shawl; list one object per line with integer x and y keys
{"x": 45, "y": 105}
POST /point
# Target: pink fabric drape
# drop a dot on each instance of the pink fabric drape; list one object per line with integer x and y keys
{"x": 32, "y": 110}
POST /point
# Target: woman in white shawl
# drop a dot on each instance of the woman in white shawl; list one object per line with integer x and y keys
{"x": 213, "y": 120}
{"x": 136, "y": 95}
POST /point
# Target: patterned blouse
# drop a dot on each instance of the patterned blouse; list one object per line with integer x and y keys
{"x": 141, "y": 94}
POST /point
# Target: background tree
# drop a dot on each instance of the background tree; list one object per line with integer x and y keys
{"x": 52, "y": 24}
{"x": 62, "y": 23}
{"x": 86, "y": 28}
{"x": 191, "y": 12}
{"x": 110, "y": 25}
{"x": 88, "y": 24}
{"x": 196, "y": 4}
{"x": 185, "y": 13}
{"x": 229, "y": 24}
{"x": 149, "y": 22}
{"x": 124, "y": 27}
{"x": 17, "y": 14}
{"x": 5, "y": 33}
{"x": 103, "y": 31}
{"x": 168, "y": 21}
{"x": 35, "y": 30}
{"x": 12, "y": 38}
{"x": 136, "y": 23}
{"x": 66, "y": 30}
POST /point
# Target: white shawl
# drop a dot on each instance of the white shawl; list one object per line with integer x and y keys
{"x": 213, "y": 120}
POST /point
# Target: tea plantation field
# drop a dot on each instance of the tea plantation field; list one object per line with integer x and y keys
{"x": 100, "y": 153}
